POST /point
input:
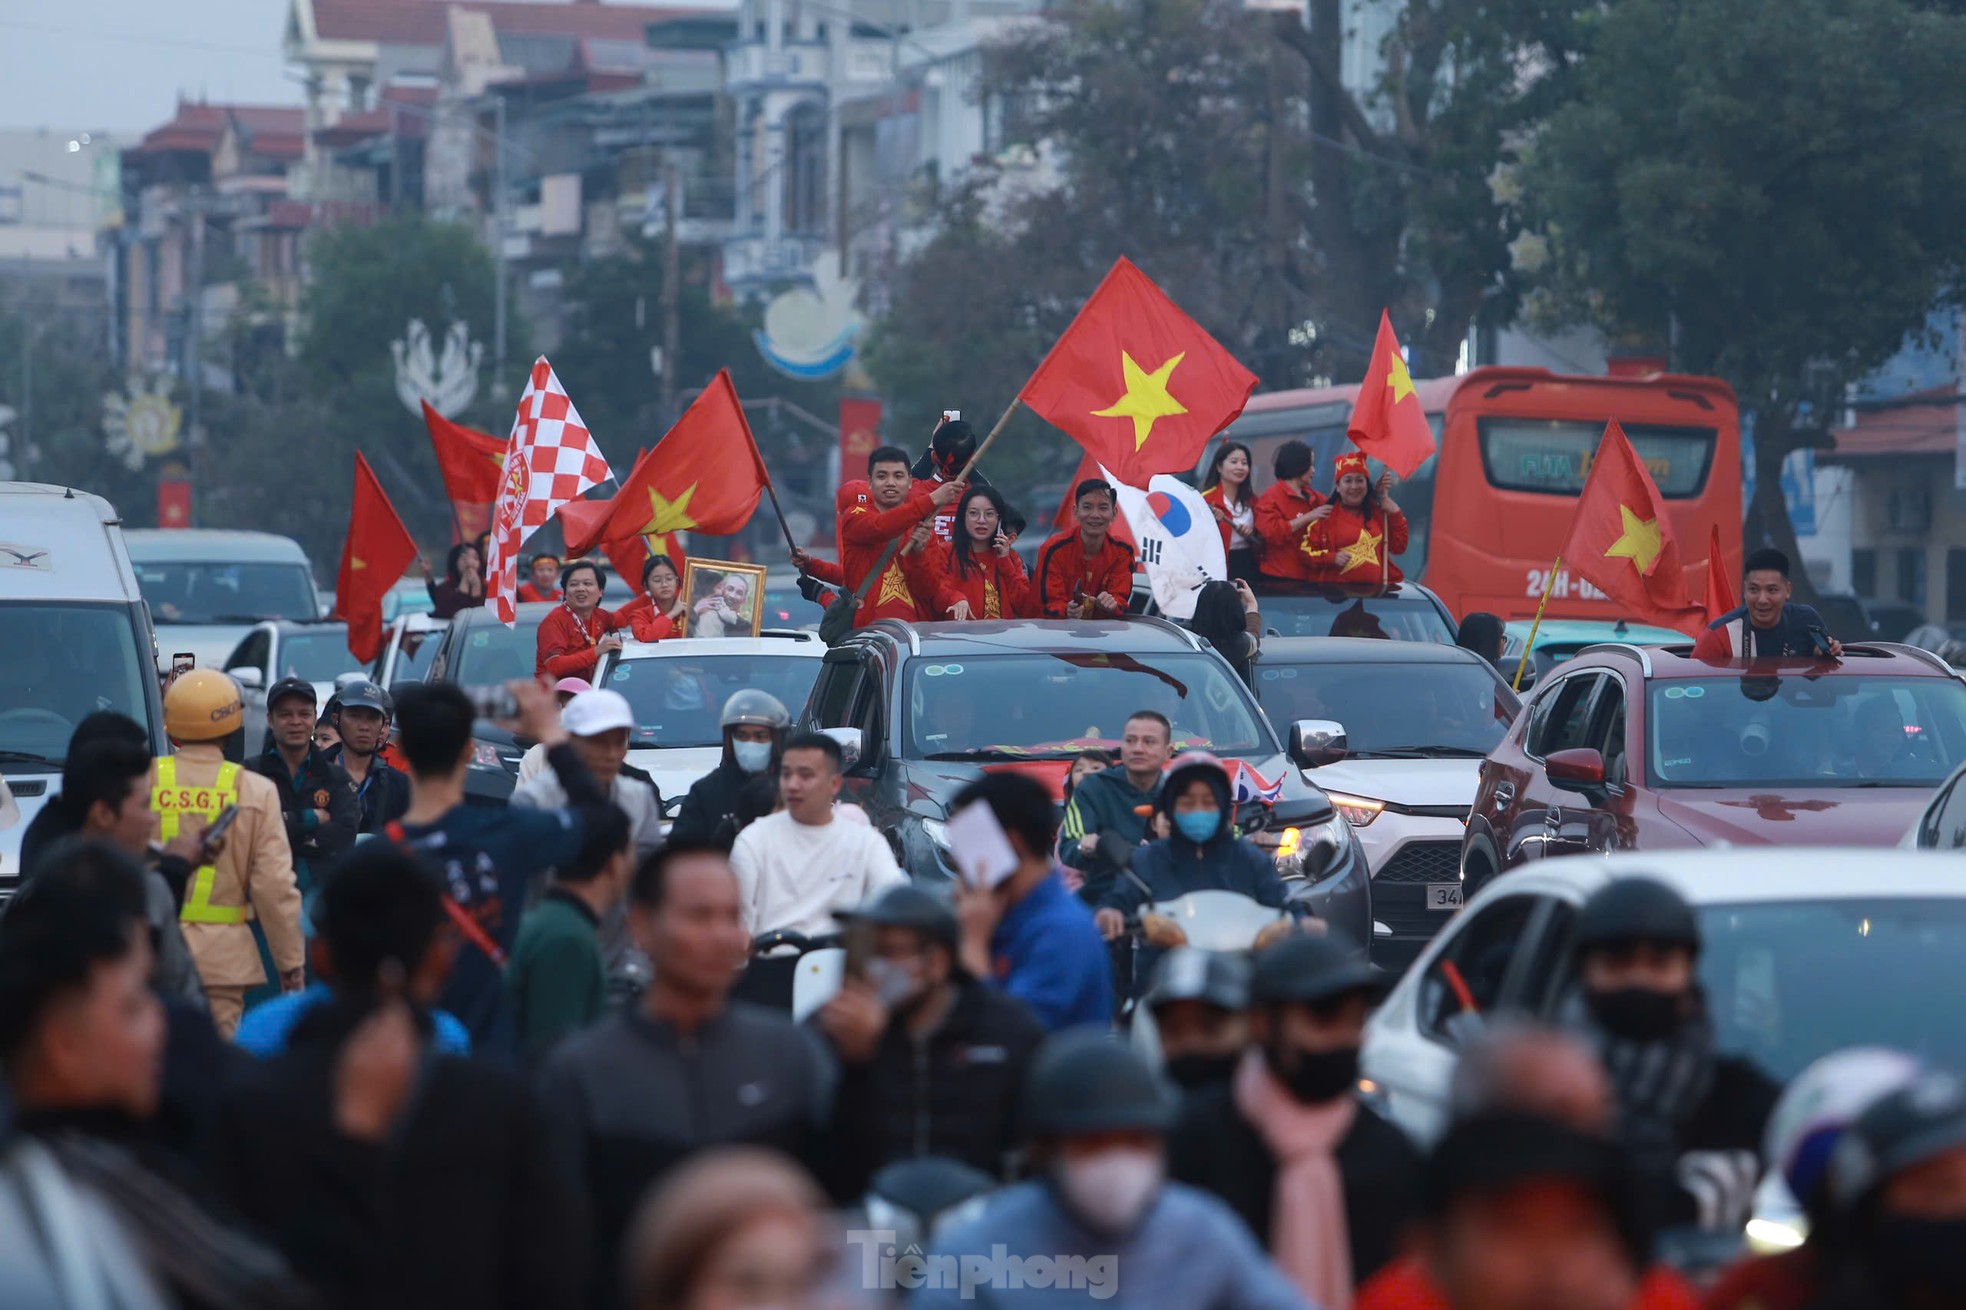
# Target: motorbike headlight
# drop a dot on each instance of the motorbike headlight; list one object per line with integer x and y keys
{"x": 1357, "y": 810}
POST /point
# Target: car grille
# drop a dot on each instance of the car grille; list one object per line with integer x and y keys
{"x": 1423, "y": 861}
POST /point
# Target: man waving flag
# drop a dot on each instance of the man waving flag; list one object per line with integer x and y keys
{"x": 1387, "y": 421}
{"x": 1137, "y": 382}
{"x": 1621, "y": 541}
{"x": 550, "y": 459}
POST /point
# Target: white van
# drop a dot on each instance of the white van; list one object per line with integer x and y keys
{"x": 75, "y": 636}
{"x": 207, "y": 589}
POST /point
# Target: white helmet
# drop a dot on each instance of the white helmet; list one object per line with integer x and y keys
{"x": 1821, "y": 1102}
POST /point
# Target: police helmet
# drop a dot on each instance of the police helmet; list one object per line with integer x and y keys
{"x": 203, "y": 705}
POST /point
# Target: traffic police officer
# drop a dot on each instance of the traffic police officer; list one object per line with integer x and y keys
{"x": 253, "y": 874}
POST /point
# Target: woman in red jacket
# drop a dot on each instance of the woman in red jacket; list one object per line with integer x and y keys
{"x": 658, "y": 613}
{"x": 1355, "y": 543}
{"x": 574, "y": 636}
{"x": 1226, "y": 491}
{"x": 984, "y": 577}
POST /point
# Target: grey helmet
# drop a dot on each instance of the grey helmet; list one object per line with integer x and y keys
{"x": 757, "y": 708}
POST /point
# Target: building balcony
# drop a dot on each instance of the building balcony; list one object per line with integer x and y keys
{"x": 796, "y": 66}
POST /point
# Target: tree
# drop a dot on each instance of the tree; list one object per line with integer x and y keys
{"x": 54, "y": 372}
{"x": 1777, "y": 187}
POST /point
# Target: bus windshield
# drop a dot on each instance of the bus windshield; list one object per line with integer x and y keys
{"x": 1554, "y": 455}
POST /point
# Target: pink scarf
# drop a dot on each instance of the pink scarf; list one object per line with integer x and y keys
{"x": 1309, "y": 1239}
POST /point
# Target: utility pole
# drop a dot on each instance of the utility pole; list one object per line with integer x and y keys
{"x": 672, "y": 277}
{"x": 194, "y": 346}
{"x": 498, "y": 227}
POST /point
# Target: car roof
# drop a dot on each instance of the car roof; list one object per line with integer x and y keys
{"x": 1361, "y": 650}
{"x": 478, "y": 615}
{"x": 1724, "y": 875}
{"x": 1859, "y": 658}
{"x": 1138, "y": 635}
{"x": 773, "y": 641}
{"x": 1561, "y": 631}
{"x": 213, "y": 545}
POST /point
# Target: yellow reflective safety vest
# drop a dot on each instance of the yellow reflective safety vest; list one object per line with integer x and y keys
{"x": 172, "y": 803}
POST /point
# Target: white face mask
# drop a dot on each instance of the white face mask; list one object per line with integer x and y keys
{"x": 1111, "y": 1191}
{"x": 751, "y": 756}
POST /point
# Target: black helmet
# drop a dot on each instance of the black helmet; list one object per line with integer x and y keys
{"x": 364, "y": 696}
{"x": 1908, "y": 1127}
{"x": 1311, "y": 967}
{"x": 907, "y": 906}
{"x": 290, "y": 686}
{"x": 1188, "y": 973}
{"x": 1085, "y": 1082}
{"x": 1636, "y": 910}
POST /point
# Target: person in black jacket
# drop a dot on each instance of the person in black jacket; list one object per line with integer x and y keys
{"x": 931, "y": 1059}
{"x": 389, "y": 1175}
{"x": 1692, "y": 1119}
{"x": 1288, "y": 1143}
{"x": 382, "y": 792}
{"x": 754, "y": 724}
{"x": 317, "y": 799}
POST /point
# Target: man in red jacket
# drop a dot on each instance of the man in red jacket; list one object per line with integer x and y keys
{"x": 1285, "y": 510}
{"x": 892, "y": 511}
{"x": 1082, "y": 572}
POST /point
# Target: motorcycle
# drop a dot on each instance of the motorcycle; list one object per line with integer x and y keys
{"x": 799, "y": 982}
{"x": 1212, "y": 920}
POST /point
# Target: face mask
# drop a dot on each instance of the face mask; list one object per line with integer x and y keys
{"x": 1315, "y": 1077}
{"x": 751, "y": 756}
{"x": 894, "y": 982}
{"x": 1113, "y": 1190}
{"x": 1198, "y": 825}
{"x": 1638, "y": 1014}
{"x": 1921, "y": 1255}
{"x": 1191, "y": 1071}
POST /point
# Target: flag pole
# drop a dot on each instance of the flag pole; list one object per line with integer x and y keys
{"x": 783, "y": 526}
{"x": 977, "y": 458}
{"x": 1530, "y": 644}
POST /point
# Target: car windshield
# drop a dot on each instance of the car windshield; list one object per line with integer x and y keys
{"x": 1793, "y": 730}
{"x": 413, "y": 655}
{"x": 1393, "y": 709}
{"x": 786, "y": 608}
{"x": 184, "y": 592}
{"x": 1788, "y": 982}
{"x": 1040, "y": 706}
{"x": 490, "y": 652}
{"x": 316, "y": 656}
{"x": 63, "y": 662}
{"x": 678, "y": 699}
{"x": 1316, "y": 614}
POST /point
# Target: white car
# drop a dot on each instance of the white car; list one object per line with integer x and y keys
{"x": 271, "y": 651}
{"x": 206, "y": 588}
{"x": 1804, "y": 953}
{"x": 678, "y": 689}
{"x": 1405, "y": 725}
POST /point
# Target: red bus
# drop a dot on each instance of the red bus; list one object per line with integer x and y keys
{"x": 1491, "y": 508}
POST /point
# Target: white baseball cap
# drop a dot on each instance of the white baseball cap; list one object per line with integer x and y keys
{"x": 592, "y": 713}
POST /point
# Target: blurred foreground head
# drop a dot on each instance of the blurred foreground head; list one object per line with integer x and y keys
{"x": 740, "y": 1228}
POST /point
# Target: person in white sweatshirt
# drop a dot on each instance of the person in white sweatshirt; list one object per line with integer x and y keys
{"x": 796, "y": 867}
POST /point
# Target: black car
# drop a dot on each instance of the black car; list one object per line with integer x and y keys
{"x": 927, "y": 708}
{"x": 480, "y": 651}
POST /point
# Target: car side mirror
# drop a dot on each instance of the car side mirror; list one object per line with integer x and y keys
{"x": 851, "y": 745}
{"x": 1580, "y": 769}
{"x": 248, "y": 677}
{"x": 1315, "y": 743}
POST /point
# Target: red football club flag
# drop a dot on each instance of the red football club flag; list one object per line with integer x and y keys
{"x": 705, "y": 475}
{"x": 1720, "y": 586}
{"x": 550, "y": 460}
{"x": 470, "y": 462}
{"x": 1621, "y": 540}
{"x": 1137, "y": 382}
{"x": 1068, "y": 514}
{"x": 378, "y": 550}
{"x": 1387, "y": 421}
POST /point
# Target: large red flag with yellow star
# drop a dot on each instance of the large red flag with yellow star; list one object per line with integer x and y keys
{"x": 705, "y": 475}
{"x": 379, "y": 548}
{"x": 1621, "y": 540}
{"x": 1137, "y": 382}
{"x": 1387, "y": 421}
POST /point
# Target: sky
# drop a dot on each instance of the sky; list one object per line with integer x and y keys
{"x": 120, "y": 64}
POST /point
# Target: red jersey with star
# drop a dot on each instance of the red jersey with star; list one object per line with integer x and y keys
{"x": 1370, "y": 544}
{"x": 1275, "y": 509}
{"x": 995, "y": 586}
{"x": 865, "y": 532}
{"x": 1064, "y": 569}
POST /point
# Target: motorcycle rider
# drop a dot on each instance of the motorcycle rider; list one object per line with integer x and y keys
{"x": 381, "y": 789}
{"x": 754, "y": 725}
{"x": 1200, "y": 1004}
{"x": 1100, "y": 1208}
{"x": 1106, "y": 821}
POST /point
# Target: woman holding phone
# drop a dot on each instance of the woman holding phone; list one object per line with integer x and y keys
{"x": 984, "y": 578}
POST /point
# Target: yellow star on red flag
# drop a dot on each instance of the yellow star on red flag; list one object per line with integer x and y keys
{"x": 1146, "y": 398}
{"x": 1399, "y": 379}
{"x": 1640, "y": 543}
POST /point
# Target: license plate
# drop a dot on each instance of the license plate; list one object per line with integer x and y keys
{"x": 1443, "y": 895}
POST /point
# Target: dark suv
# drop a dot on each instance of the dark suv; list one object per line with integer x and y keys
{"x": 479, "y": 651}
{"x": 925, "y": 709}
{"x": 1647, "y": 748}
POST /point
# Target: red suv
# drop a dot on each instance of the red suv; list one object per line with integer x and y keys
{"x": 1646, "y": 748}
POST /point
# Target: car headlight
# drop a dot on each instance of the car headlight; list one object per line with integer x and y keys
{"x": 1357, "y": 810}
{"x": 1773, "y": 1236}
{"x": 936, "y": 831}
{"x": 484, "y": 755}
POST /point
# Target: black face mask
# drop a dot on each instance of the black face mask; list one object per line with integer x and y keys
{"x": 1315, "y": 1077}
{"x": 1921, "y": 1255}
{"x": 1638, "y": 1014}
{"x": 1192, "y": 1071}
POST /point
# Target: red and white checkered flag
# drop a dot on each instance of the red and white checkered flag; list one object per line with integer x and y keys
{"x": 550, "y": 459}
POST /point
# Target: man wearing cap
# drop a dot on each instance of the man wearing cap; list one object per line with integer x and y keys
{"x": 253, "y": 875}
{"x": 931, "y": 1059}
{"x": 381, "y": 790}
{"x": 1199, "y": 1001}
{"x": 317, "y": 799}
{"x": 598, "y": 725}
{"x": 1100, "y": 1223}
{"x": 1325, "y": 1182}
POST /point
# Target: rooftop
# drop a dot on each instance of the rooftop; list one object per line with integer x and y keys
{"x": 422, "y": 22}
{"x": 198, "y": 126}
{"x": 1922, "y": 423}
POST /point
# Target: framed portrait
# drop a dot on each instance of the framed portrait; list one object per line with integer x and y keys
{"x": 726, "y": 599}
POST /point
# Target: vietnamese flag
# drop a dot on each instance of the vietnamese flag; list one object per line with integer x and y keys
{"x": 582, "y": 522}
{"x": 1621, "y": 540}
{"x": 1720, "y": 587}
{"x": 471, "y": 462}
{"x": 705, "y": 475}
{"x": 1387, "y": 421}
{"x": 373, "y": 559}
{"x": 1137, "y": 382}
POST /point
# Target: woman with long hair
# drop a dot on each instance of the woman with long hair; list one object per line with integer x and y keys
{"x": 659, "y": 612}
{"x": 1226, "y": 618}
{"x": 463, "y": 586}
{"x": 1355, "y": 543}
{"x": 1226, "y": 490}
{"x": 985, "y": 579}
